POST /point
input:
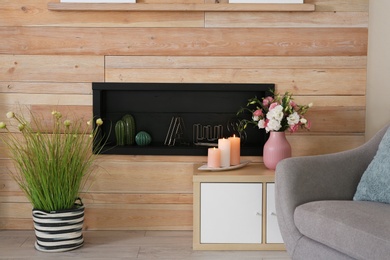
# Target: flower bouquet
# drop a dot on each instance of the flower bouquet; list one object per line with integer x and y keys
{"x": 278, "y": 113}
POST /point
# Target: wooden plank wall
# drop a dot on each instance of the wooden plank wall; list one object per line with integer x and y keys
{"x": 48, "y": 59}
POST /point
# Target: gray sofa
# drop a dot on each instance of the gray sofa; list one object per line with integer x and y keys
{"x": 317, "y": 215}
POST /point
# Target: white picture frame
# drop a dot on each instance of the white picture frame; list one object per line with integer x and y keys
{"x": 266, "y": 1}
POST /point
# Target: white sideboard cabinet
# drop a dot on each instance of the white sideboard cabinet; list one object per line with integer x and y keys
{"x": 235, "y": 210}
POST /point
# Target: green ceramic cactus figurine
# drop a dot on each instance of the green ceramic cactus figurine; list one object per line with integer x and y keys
{"x": 129, "y": 129}
{"x": 120, "y": 132}
{"x": 143, "y": 138}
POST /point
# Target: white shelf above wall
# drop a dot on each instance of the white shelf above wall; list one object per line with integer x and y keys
{"x": 55, "y": 6}
{"x": 99, "y": 1}
{"x": 265, "y": 1}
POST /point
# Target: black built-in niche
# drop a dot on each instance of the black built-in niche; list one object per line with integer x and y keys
{"x": 155, "y": 107}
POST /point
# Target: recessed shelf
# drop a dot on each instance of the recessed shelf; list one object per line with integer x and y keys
{"x": 54, "y": 6}
{"x": 207, "y": 112}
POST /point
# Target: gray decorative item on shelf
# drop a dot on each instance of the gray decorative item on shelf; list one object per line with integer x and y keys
{"x": 176, "y": 132}
{"x": 207, "y": 135}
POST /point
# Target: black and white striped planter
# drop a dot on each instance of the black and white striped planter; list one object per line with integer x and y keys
{"x": 59, "y": 231}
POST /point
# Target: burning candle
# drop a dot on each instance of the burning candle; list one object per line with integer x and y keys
{"x": 234, "y": 150}
{"x": 224, "y": 146}
{"x": 214, "y": 158}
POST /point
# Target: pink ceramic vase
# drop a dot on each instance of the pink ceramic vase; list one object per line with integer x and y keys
{"x": 275, "y": 149}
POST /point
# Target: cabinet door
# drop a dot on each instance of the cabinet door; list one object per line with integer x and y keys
{"x": 230, "y": 212}
{"x": 272, "y": 229}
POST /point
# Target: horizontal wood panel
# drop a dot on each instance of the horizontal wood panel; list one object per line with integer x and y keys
{"x": 301, "y": 81}
{"x": 140, "y": 177}
{"x": 329, "y": 5}
{"x": 341, "y": 120}
{"x": 332, "y": 102}
{"x": 42, "y": 68}
{"x": 16, "y": 223}
{"x": 15, "y": 210}
{"x": 138, "y": 217}
{"x": 141, "y": 198}
{"x": 112, "y": 217}
{"x": 305, "y": 145}
{"x": 282, "y": 19}
{"x": 170, "y": 41}
{"x": 242, "y": 62}
{"x": 108, "y": 198}
{"x": 46, "y": 87}
{"x": 51, "y": 100}
{"x": 11, "y": 196}
{"x": 339, "y": 5}
{"x": 36, "y": 13}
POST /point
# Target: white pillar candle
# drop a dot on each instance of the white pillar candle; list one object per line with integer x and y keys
{"x": 224, "y": 146}
{"x": 234, "y": 150}
{"x": 214, "y": 158}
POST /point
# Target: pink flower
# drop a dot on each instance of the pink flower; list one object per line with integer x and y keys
{"x": 308, "y": 124}
{"x": 294, "y": 128}
{"x": 258, "y": 112}
{"x": 267, "y": 101}
{"x": 273, "y": 105}
{"x": 293, "y": 104}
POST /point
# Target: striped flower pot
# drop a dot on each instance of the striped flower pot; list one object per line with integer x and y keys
{"x": 59, "y": 231}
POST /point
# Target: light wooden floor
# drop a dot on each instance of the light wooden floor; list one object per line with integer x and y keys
{"x": 126, "y": 245}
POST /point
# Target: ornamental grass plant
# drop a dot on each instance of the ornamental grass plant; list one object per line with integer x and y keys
{"x": 53, "y": 162}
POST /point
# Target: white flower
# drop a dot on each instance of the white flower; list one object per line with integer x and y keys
{"x": 10, "y": 115}
{"x": 273, "y": 125}
{"x": 261, "y": 124}
{"x": 278, "y": 108}
{"x": 293, "y": 119}
{"x": 303, "y": 121}
{"x": 255, "y": 118}
{"x": 276, "y": 113}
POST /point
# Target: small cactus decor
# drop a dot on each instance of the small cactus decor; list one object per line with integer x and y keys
{"x": 120, "y": 132}
{"x": 125, "y": 130}
{"x": 143, "y": 138}
{"x": 129, "y": 129}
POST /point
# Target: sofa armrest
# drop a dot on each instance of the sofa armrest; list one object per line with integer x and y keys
{"x": 334, "y": 176}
